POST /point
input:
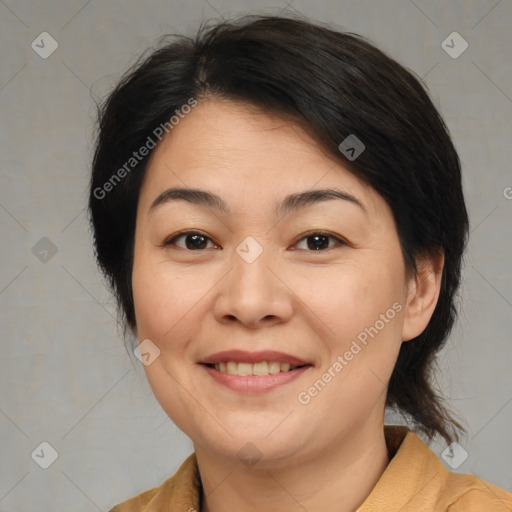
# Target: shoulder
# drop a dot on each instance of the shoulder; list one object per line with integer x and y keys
{"x": 457, "y": 492}
{"x": 468, "y": 493}
{"x": 138, "y": 502}
{"x": 415, "y": 479}
{"x": 179, "y": 492}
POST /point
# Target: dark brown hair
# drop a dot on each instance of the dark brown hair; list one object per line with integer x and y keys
{"x": 334, "y": 84}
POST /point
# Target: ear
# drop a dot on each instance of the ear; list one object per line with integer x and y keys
{"x": 422, "y": 294}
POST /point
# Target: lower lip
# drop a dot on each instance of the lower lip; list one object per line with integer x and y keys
{"x": 253, "y": 384}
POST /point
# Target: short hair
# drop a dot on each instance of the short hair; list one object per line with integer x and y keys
{"x": 334, "y": 84}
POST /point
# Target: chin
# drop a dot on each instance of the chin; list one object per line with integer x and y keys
{"x": 255, "y": 448}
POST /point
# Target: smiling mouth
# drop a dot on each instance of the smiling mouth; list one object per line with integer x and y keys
{"x": 260, "y": 369}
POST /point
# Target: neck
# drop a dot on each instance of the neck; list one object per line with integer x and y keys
{"x": 334, "y": 480}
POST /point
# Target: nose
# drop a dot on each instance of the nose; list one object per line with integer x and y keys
{"x": 253, "y": 293}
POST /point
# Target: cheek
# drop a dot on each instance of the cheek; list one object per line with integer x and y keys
{"x": 168, "y": 306}
{"x": 363, "y": 312}
{"x": 363, "y": 309}
{"x": 351, "y": 299}
{"x": 161, "y": 299}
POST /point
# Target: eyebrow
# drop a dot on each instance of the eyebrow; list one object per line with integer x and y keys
{"x": 290, "y": 203}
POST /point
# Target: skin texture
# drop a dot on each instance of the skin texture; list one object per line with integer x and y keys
{"x": 329, "y": 453}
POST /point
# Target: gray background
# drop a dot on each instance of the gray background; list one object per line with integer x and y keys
{"x": 65, "y": 376}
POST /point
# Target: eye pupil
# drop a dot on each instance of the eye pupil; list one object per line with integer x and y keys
{"x": 198, "y": 241}
{"x": 318, "y": 243}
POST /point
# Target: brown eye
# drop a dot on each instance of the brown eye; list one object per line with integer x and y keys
{"x": 193, "y": 241}
{"x": 319, "y": 241}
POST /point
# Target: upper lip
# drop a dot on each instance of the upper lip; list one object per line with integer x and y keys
{"x": 242, "y": 356}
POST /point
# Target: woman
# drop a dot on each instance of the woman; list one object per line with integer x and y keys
{"x": 278, "y": 209}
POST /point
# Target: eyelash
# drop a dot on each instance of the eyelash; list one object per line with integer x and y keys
{"x": 340, "y": 241}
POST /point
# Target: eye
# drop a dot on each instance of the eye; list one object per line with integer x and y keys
{"x": 193, "y": 240}
{"x": 316, "y": 241}
{"x": 319, "y": 240}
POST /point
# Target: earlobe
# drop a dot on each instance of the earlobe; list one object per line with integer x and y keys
{"x": 422, "y": 294}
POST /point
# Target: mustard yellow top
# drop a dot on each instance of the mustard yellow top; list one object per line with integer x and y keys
{"x": 414, "y": 481}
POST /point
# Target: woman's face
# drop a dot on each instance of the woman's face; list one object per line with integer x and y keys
{"x": 248, "y": 279}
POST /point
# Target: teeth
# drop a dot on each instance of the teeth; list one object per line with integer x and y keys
{"x": 244, "y": 369}
{"x": 232, "y": 368}
{"x": 274, "y": 367}
{"x": 260, "y": 369}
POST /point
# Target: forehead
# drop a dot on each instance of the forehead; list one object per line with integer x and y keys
{"x": 234, "y": 131}
{"x": 235, "y": 149}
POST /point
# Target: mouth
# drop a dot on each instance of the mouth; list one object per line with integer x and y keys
{"x": 254, "y": 372}
{"x": 260, "y": 369}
